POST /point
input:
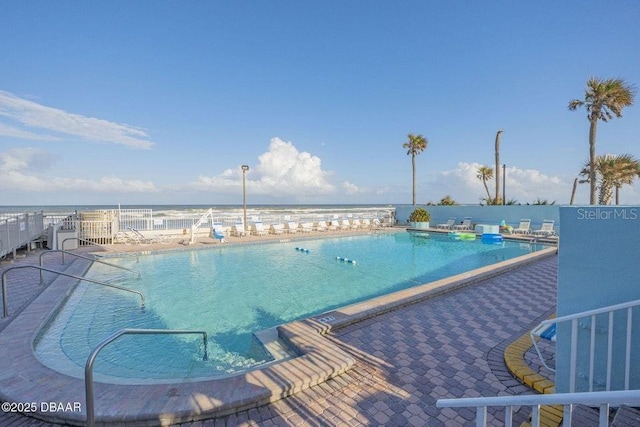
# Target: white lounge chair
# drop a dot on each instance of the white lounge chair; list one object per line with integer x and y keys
{"x": 306, "y": 227}
{"x": 291, "y": 227}
{"x": 355, "y": 224}
{"x": 448, "y": 225}
{"x": 547, "y": 331}
{"x": 276, "y": 229}
{"x": 345, "y": 224}
{"x": 466, "y": 224}
{"x": 238, "y": 230}
{"x": 546, "y": 229}
{"x": 258, "y": 229}
{"x": 334, "y": 224}
{"x": 366, "y": 223}
{"x": 320, "y": 226}
{"x": 524, "y": 227}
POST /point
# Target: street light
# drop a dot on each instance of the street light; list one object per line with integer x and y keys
{"x": 245, "y": 168}
{"x": 504, "y": 181}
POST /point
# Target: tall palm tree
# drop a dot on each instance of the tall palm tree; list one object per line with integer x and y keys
{"x": 612, "y": 172}
{"x": 415, "y": 145}
{"x": 603, "y": 99}
{"x": 497, "y": 148}
{"x": 485, "y": 173}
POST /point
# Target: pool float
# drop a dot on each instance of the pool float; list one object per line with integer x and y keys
{"x": 492, "y": 238}
{"x": 456, "y": 235}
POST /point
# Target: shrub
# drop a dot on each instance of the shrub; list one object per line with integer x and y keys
{"x": 420, "y": 215}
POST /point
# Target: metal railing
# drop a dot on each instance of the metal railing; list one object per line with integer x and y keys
{"x": 88, "y": 369}
{"x": 600, "y": 338}
{"x": 601, "y": 399}
{"x": 83, "y": 257}
{"x": 18, "y": 230}
{"x": 5, "y": 308}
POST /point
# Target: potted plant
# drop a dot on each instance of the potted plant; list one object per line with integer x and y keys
{"x": 420, "y": 218}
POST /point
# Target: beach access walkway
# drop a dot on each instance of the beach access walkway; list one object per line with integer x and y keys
{"x": 445, "y": 347}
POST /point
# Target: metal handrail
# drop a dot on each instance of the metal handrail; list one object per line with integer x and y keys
{"x": 83, "y": 257}
{"x": 603, "y": 399}
{"x": 80, "y": 239}
{"x": 5, "y": 309}
{"x": 88, "y": 369}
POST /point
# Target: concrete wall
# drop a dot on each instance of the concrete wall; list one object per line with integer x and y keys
{"x": 598, "y": 266}
{"x": 486, "y": 214}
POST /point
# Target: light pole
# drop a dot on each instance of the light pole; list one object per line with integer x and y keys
{"x": 245, "y": 168}
{"x": 504, "y": 188}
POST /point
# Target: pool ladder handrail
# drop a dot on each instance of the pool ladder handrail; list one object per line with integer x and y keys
{"x": 5, "y": 308}
{"x": 88, "y": 369}
{"x": 80, "y": 239}
{"x": 84, "y": 257}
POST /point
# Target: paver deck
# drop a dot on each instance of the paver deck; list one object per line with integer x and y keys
{"x": 448, "y": 346}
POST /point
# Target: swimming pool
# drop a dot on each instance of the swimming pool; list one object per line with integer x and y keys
{"x": 234, "y": 291}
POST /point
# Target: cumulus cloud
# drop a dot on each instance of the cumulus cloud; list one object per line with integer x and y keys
{"x": 24, "y": 169}
{"x": 282, "y": 171}
{"x": 522, "y": 185}
{"x": 36, "y": 116}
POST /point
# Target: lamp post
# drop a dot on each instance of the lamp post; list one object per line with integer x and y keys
{"x": 245, "y": 168}
{"x": 504, "y": 188}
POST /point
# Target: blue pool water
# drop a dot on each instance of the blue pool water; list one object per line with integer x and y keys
{"x": 232, "y": 292}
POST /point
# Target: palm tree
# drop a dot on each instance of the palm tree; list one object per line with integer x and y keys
{"x": 603, "y": 99}
{"x": 497, "y": 148}
{"x": 416, "y": 145}
{"x": 485, "y": 173}
{"x": 612, "y": 172}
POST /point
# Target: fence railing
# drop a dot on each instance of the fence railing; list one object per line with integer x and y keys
{"x": 18, "y": 230}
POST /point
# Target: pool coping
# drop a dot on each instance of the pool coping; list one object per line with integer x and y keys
{"x": 25, "y": 379}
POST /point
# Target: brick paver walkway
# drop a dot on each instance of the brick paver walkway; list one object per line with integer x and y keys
{"x": 449, "y": 346}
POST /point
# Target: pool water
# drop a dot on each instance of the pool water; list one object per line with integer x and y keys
{"x": 233, "y": 291}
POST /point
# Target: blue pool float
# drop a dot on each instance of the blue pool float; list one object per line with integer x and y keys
{"x": 492, "y": 238}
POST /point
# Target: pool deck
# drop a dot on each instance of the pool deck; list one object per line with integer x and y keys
{"x": 382, "y": 362}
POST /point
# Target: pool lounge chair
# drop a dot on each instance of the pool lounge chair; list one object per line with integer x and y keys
{"x": 258, "y": 229}
{"x": 366, "y": 223}
{"x": 355, "y": 224}
{"x": 345, "y": 224}
{"x": 546, "y": 229}
{"x": 139, "y": 238}
{"x": 306, "y": 227}
{"x": 238, "y": 230}
{"x": 547, "y": 331}
{"x": 466, "y": 224}
{"x": 334, "y": 224}
{"x": 448, "y": 225}
{"x": 291, "y": 227}
{"x": 524, "y": 227}
{"x": 320, "y": 226}
{"x": 276, "y": 229}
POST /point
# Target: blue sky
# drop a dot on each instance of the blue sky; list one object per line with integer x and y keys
{"x": 161, "y": 101}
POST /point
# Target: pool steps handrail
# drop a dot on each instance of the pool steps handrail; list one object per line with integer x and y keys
{"x": 5, "y": 309}
{"x": 80, "y": 239}
{"x": 83, "y": 257}
{"x": 88, "y": 369}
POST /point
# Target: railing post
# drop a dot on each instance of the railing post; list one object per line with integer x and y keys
{"x": 5, "y": 309}
{"x": 481, "y": 416}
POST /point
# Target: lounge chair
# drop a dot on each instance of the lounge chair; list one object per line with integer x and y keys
{"x": 306, "y": 227}
{"x": 366, "y": 223}
{"x": 276, "y": 229}
{"x": 217, "y": 232}
{"x": 546, "y": 229}
{"x": 291, "y": 227}
{"x": 238, "y": 230}
{"x": 355, "y": 224}
{"x": 448, "y": 225}
{"x": 524, "y": 227}
{"x": 466, "y": 224}
{"x": 320, "y": 226}
{"x": 345, "y": 224}
{"x": 139, "y": 238}
{"x": 334, "y": 224}
{"x": 547, "y": 331}
{"x": 258, "y": 229}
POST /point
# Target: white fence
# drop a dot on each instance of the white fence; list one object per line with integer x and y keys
{"x": 18, "y": 230}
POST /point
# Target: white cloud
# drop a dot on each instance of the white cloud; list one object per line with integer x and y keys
{"x": 25, "y": 169}
{"x": 523, "y": 185}
{"x": 33, "y": 115}
{"x": 281, "y": 171}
